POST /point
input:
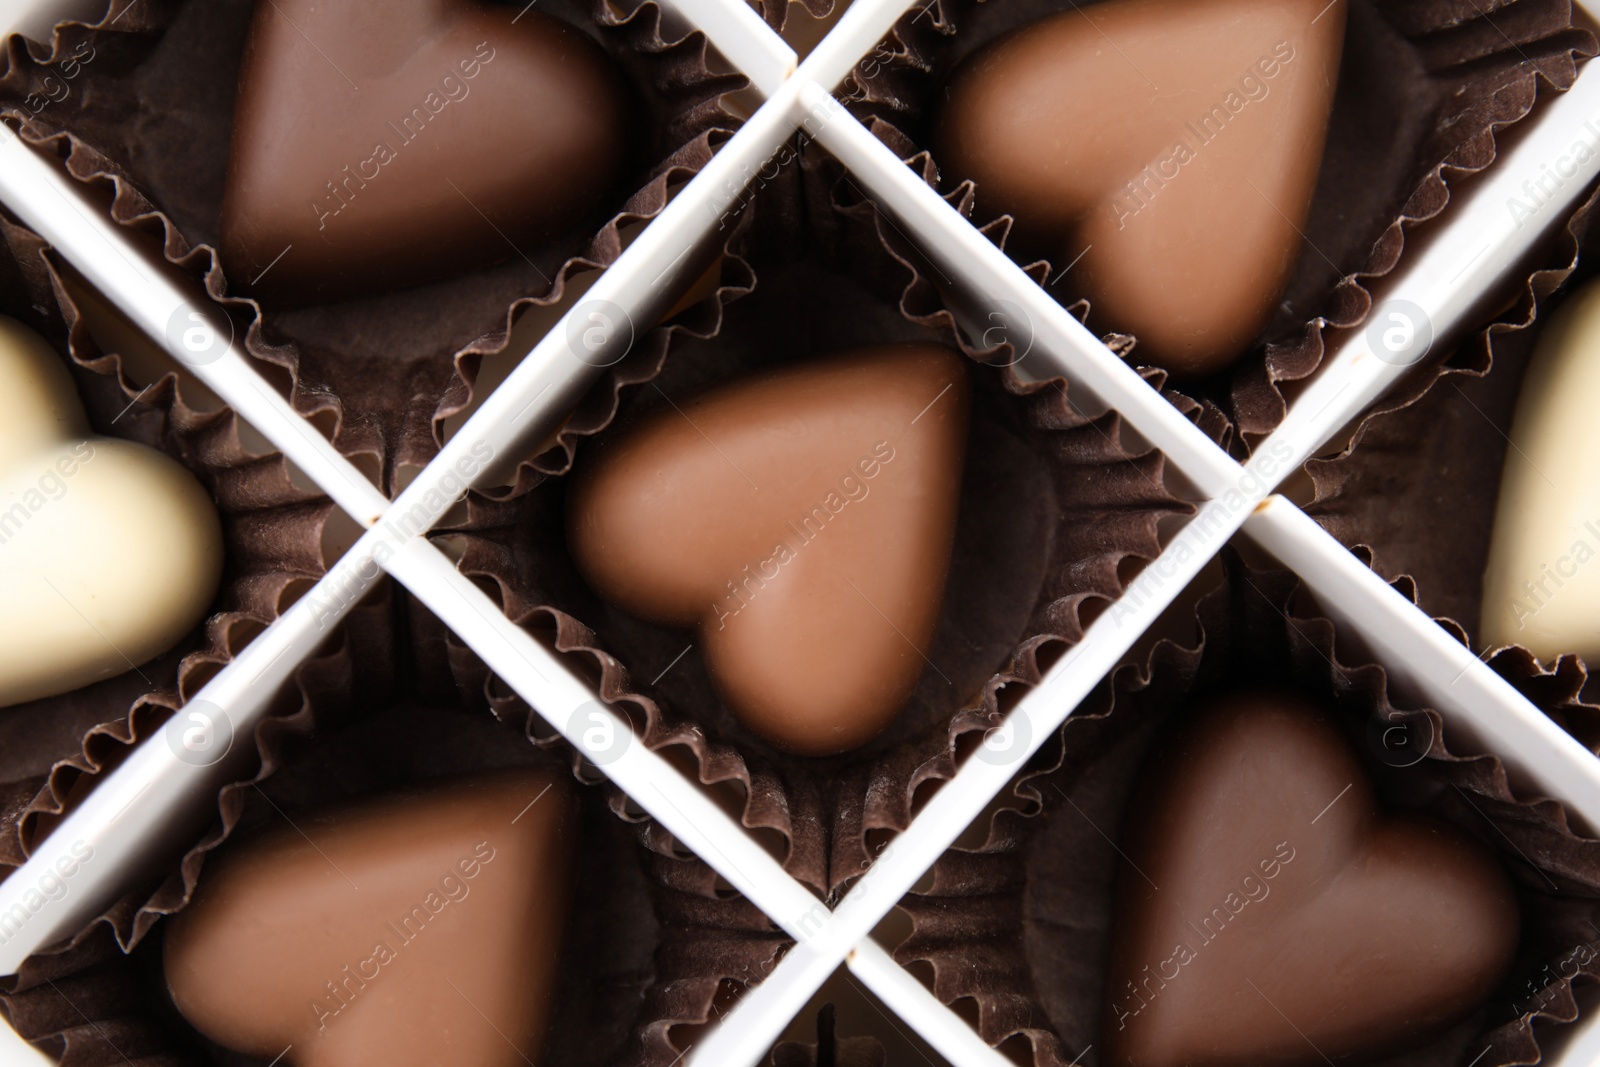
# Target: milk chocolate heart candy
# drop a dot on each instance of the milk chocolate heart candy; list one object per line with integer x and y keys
{"x": 801, "y": 520}
{"x": 109, "y": 551}
{"x": 1174, "y": 143}
{"x": 1542, "y": 586}
{"x": 1272, "y": 916}
{"x": 404, "y": 931}
{"x": 377, "y": 146}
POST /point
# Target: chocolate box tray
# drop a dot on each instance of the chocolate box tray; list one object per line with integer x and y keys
{"x": 1450, "y": 272}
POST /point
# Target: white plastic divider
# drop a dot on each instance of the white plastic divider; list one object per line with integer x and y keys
{"x": 163, "y": 785}
{"x": 1432, "y": 295}
{"x": 759, "y": 1016}
{"x": 677, "y": 804}
{"x": 1577, "y": 1045}
{"x": 36, "y": 20}
{"x": 598, "y": 331}
{"x": 568, "y": 704}
{"x": 1540, "y": 758}
{"x": 147, "y": 799}
{"x": 1538, "y": 754}
{"x": 859, "y": 30}
{"x": 179, "y": 317}
{"x": 1451, "y": 271}
{"x": 163, "y": 788}
{"x": 748, "y": 43}
{"x": 14, "y": 1052}
{"x": 1027, "y": 314}
{"x": 549, "y": 381}
{"x": 908, "y": 998}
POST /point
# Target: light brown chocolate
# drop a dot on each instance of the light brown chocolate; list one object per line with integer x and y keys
{"x": 1174, "y": 144}
{"x": 405, "y": 931}
{"x": 1270, "y": 914}
{"x": 801, "y": 521}
{"x": 380, "y": 146}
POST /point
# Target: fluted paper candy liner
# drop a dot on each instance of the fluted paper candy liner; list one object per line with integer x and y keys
{"x": 347, "y": 389}
{"x": 1020, "y": 925}
{"x": 52, "y": 749}
{"x": 1055, "y": 505}
{"x": 92, "y": 1005}
{"x": 380, "y": 374}
{"x": 112, "y": 39}
{"x": 655, "y": 947}
{"x": 714, "y": 944}
{"x": 1425, "y": 88}
{"x": 1415, "y": 487}
{"x": 831, "y": 1049}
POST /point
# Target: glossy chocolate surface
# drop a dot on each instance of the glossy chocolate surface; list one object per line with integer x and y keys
{"x": 403, "y": 931}
{"x": 801, "y": 522}
{"x": 380, "y": 146}
{"x": 1173, "y": 144}
{"x": 110, "y": 552}
{"x": 1541, "y": 588}
{"x": 1271, "y": 914}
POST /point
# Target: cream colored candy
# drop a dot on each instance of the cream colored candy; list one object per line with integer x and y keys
{"x": 1542, "y": 586}
{"x": 109, "y": 551}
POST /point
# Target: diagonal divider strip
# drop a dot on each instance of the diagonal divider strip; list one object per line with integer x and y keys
{"x": 178, "y": 317}
{"x": 683, "y": 809}
{"x": 747, "y": 42}
{"x": 824, "y": 939}
{"x": 537, "y": 673}
{"x": 243, "y": 687}
{"x": 1325, "y": 406}
{"x": 1422, "y": 654}
{"x": 948, "y": 1033}
{"x": 158, "y": 793}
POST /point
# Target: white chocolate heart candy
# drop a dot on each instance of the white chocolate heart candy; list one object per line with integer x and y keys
{"x": 1542, "y": 586}
{"x": 110, "y": 552}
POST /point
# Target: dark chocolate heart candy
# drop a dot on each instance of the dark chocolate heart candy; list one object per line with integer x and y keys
{"x": 1273, "y": 916}
{"x": 1174, "y": 144}
{"x": 377, "y": 146}
{"x": 406, "y": 931}
{"x": 802, "y": 521}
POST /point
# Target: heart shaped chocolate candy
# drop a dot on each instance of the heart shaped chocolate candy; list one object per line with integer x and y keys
{"x": 1542, "y": 586}
{"x": 377, "y": 146}
{"x": 110, "y": 552}
{"x": 1272, "y": 916}
{"x": 1174, "y": 144}
{"x": 405, "y": 931}
{"x": 802, "y": 522}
